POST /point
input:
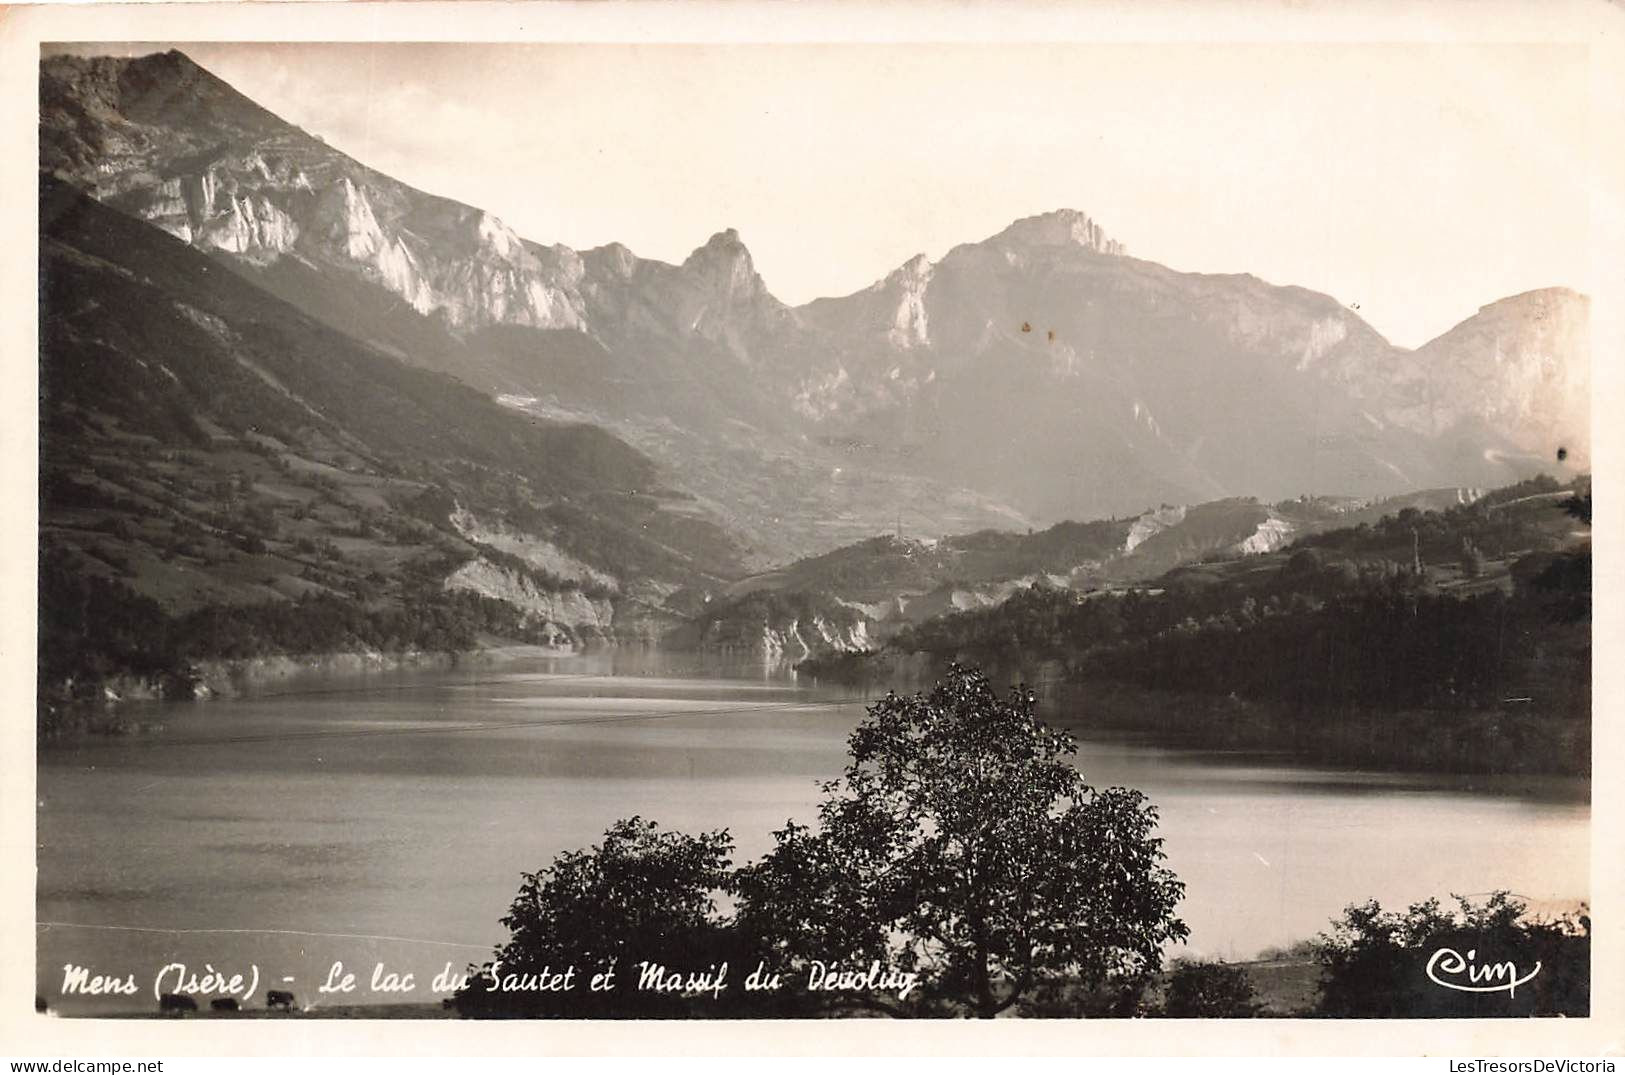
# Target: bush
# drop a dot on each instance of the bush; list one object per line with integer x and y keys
{"x": 1209, "y": 991}
{"x": 1376, "y": 964}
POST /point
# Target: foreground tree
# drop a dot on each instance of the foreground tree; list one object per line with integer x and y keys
{"x": 643, "y": 897}
{"x": 962, "y": 846}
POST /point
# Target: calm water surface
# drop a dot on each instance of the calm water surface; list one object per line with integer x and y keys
{"x": 388, "y": 820}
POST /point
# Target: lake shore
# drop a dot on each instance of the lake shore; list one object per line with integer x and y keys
{"x": 226, "y": 680}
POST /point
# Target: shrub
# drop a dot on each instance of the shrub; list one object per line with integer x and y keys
{"x": 1200, "y": 990}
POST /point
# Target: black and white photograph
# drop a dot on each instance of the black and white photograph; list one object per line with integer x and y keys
{"x": 1076, "y": 530}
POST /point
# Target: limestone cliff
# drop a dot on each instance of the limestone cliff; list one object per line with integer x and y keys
{"x": 565, "y": 615}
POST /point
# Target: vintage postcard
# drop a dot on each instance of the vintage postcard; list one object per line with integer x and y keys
{"x": 773, "y": 524}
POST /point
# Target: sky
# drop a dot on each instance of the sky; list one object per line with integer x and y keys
{"x": 1413, "y": 182}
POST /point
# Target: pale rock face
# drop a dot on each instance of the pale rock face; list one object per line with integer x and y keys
{"x": 1324, "y": 334}
{"x": 251, "y": 226}
{"x": 876, "y": 610}
{"x": 970, "y": 600}
{"x": 1152, "y": 523}
{"x": 577, "y": 614}
{"x": 168, "y": 200}
{"x": 208, "y": 211}
{"x": 782, "y": 644}
{"x": 823, "y": 397}
{"x": 797, "y": 641}
{"x": 497, "y": 281}
{"x": 1064, "y": 227}
{"x": 399, "y": 272}
{"x": 1272, "y": 534}
{"x": 561, "y": 265}
{"x": 344, "y": 218}
{"x": 1142, "y": 415}
{"x": 265, "y": 189}
{"x": 1249, "y": 314}
{"x": 537, "y": 552}
{"x": 179, "y": 229}
{"x": 847, "y": 641}
{"x": 497, "y": 237}
{"x": 613, "y": 260}
{"x": 910, "y": 326}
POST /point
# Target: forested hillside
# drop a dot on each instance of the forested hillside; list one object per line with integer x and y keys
{"x": 1461, "y": 636}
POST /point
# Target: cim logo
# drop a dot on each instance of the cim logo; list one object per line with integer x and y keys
{"x": 1451, "y": 970}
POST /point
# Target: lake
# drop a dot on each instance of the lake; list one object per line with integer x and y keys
{"x": 388, "y": 819}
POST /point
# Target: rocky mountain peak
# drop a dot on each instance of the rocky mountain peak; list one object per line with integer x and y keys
{"x": 724, "y": 266}
{"x": 173, "y": 67}
{"x": 1063, "y": 227}
{"x": 614, "y": 259}
{"x": 917, "y": 267}
{"x": 169, "y": 63}
{"x": 162, "y": 89}
{"x": 1539, "y": 300}
{"x": 724, "y": 246}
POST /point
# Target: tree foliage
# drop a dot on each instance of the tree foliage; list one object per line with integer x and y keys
{"x": 642, "y": 896}
{"x": 1374, "y": 963}
{"x": 963, "y": 846}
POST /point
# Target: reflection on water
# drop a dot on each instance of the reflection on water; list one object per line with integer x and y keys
{"x": 389, "y": 819}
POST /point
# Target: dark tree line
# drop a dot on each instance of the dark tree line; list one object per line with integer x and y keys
{"x": 1322, "y": 630}
{"x": 1366, "y": 649}
{"x": 92, "y": 628}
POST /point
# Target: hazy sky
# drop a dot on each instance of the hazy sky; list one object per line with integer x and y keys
{"x": 1416, "y": 181}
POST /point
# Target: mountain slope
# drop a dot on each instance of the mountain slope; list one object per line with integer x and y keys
{"x": 206, "y": 445}
{"x": 168, "y": 142}
{"x": 653, "y": 351}
{"x": 1083, "y": 382}
{"x": 1518, "y": 365}
{"x": 880, "y": 586}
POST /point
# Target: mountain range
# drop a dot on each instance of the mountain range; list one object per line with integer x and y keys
{"x": 1037, "y": 375}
